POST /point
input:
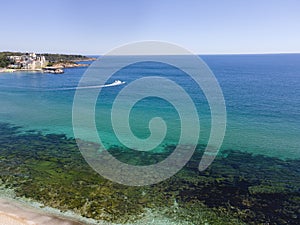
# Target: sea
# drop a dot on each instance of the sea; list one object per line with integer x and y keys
{"x": 261, "y": 94}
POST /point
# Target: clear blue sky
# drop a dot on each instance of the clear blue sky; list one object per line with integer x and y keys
{"x": 202, "y": 26}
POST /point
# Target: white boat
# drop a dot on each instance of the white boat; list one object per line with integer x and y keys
{"x": 115, "y": 83}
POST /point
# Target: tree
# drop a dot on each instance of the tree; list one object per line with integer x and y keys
{"x": 4, "y": 61}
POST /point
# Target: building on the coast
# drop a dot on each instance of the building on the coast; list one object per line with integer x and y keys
{"x": 28, "y": 62}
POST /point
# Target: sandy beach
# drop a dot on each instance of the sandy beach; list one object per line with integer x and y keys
{"x": 15, "y": 213}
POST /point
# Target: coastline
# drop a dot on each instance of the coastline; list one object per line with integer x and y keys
{"x": 6, "y": 70}
{"x": 15, "y": 212}
{"x": 58, "y": 66}
{"x": 24, "y": 211}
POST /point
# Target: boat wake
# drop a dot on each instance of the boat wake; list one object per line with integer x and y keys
{"x": 36, "y": 89}
{"x": 115, "y": 83}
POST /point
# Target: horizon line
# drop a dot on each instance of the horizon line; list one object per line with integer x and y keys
{"x": 95, "y": 54}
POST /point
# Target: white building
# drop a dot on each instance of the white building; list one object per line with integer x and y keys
{"x": 29, "y": 61}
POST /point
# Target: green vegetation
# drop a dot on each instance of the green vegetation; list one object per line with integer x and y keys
{"x": 52, "y": 58}
{"x": 64, "y": 57}
{"x": 4, "y": 61}
{"x": 238, "y": 188}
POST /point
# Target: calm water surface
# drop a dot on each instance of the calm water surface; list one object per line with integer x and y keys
{"x": 262, "y": 94}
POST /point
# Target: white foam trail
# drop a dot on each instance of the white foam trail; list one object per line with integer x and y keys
{"x": 115, "y": 83}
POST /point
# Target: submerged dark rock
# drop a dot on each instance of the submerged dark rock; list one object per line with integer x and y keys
{"x": 238, "y": 187}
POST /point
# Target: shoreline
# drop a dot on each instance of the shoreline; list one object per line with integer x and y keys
{"x": 57, "y": 65}
{"x": 14, "y": 212}
{"x": 63, "y": 66}
{"x": 24, "y": 211}
{"x": 6, "y": 70}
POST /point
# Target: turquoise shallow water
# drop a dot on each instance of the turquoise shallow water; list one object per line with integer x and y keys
{"x": 261, "y": 94}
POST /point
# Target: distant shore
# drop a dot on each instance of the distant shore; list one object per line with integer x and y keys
{"x": 32, "y": 62}
{"x": 59, "y": 65}
{"x": 71, "y": 64}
